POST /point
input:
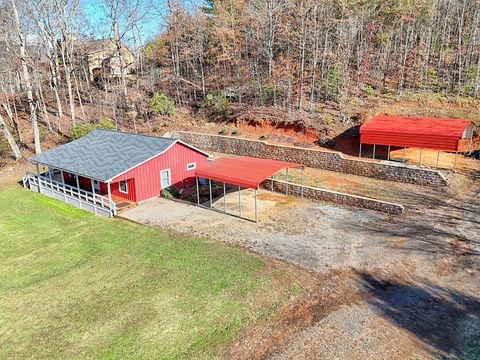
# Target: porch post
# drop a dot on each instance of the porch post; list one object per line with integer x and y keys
{"x": 256, "y": 207}
{"x": 360, "y": 150}
{"x": 374, "y": 151}
{"x": 38, "y": 179}
{"x": 404, "y": 152}
{"x": 239, "y": 202}
{"x": 61, "y": 174}
{"x": 210, "y": 191}
{"x": 438, "y": 156}
{"x": 93, "y": 192}
{"x": 110, "y": 197}
{"x": 420, "y": 159}
{"x": 49, "y": 173}
{"x": 455, "y": 161}
{"x": 78, "y": 183}
{"x": 272, "y": 182}
{"x": 198, "y": 191}
{"x": 388, "y": 153}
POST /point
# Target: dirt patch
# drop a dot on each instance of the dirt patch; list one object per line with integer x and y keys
{"x": 365, "y": 315}
{"x": 328, "y": 293}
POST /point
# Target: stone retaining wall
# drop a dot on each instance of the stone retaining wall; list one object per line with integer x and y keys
{"x": 334, "y": 197}
{"x": 321, "y": 159}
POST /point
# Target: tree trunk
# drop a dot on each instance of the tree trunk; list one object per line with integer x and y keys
{"x": 11, "y": 141}
{"x": 26, "y": 79}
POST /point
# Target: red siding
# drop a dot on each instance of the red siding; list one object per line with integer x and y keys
{"x": 132, "y": 194}
{"x": 144, "y": 180}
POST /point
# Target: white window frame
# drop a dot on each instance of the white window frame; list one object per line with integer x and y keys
{"x": 120, "y": 186}
{"x": 169, "y": 178}
{"x": 191, "y": 166}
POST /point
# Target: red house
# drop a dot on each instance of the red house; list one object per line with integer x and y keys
{"x": 105, "y": 170}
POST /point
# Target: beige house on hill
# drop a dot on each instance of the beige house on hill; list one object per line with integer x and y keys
{"x": 102, "y": 58}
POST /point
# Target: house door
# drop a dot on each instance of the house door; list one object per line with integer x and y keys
{"x": 96, "y": 186}
{"x": 165, "y": 179}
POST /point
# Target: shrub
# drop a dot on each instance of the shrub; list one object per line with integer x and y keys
{"x": 236, "y": 132}
{"x": 106, "y": 123}
{"x": 369, "y": 91}
{"x": 217, "y": 102}
{"x": 224, "y": 131}
{"x": 162, "y": 105}
{"x": 328, "y": 119}
{"x": 170, "y": 192}
{"x": 334, "y": 81}
{"x": 267, "y": 93}
{"x": 80, "y": 130}
{"x": 42, "y": 132}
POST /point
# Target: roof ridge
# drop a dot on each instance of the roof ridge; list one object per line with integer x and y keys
{"x": 137, "y": 134}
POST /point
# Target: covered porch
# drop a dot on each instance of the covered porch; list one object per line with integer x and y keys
{"x": 78, "y": 190}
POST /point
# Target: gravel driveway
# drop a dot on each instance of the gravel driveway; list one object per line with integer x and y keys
{"x": 425, "y": 259}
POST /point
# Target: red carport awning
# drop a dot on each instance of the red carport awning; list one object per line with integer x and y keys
{"x": 418, "y": 132}
{"x": 242, "y": 171}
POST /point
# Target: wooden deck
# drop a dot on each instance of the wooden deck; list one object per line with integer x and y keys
{"x": 122, "y": 204}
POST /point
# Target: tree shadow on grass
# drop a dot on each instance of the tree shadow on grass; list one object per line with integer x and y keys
{"x": 444, "y": 319}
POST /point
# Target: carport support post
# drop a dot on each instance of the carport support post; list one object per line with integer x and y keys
{"x": 360, "y": 150}
{"x": 374, "y": 151}
{"x": 239, "y": 202}
{"x": 286, "y": 183}
{"x": 438, "y": 156}
{"x": 420, "y": 160}
{"x": 455, "y": 161}
{"x": 210, "y": 191}
{"x": 272, "y": 182}
{"x": 198, "y": 191}
{"x": 256, "y": 208}
{"x": 404, "y": 153}
{"x": 224, "y": 198}
{"x": 388, "y": 153}
{"x": 301, "y": 189}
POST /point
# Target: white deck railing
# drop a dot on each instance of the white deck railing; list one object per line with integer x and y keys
{"x": 89, "y": 199}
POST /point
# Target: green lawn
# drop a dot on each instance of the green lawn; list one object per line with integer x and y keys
{"x": 73, "y": 285}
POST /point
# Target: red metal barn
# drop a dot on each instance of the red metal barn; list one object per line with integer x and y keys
{"x": 105, "y": 170}
{"x": 177, "y": 166}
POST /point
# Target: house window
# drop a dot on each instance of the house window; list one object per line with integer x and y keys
{"x": 123, "y": 187}
{"x": 165, "y": 179}
{"x": 191, "y": 166}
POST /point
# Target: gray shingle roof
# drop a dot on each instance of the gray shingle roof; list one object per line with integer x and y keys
{"x": 104, "y": 154}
